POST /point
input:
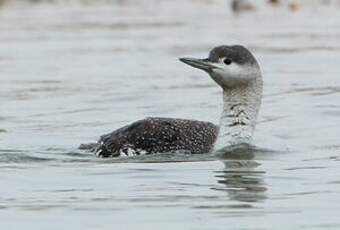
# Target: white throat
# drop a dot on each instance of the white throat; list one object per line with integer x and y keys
{"x": 241, "y": 105}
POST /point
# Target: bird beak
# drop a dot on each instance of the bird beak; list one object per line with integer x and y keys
{"x": 203, "y": 64}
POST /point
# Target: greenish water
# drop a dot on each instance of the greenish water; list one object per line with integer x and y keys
{"x": 72, "y": 72}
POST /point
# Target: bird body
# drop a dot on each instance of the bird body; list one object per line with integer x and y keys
{"x": 157, "y": 135}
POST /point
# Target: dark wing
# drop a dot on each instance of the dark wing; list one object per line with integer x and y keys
{"x": 156, "y": 135}
{"x": 153, "y": 135}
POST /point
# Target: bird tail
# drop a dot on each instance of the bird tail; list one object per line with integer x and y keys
{"x": 90, "y": 146}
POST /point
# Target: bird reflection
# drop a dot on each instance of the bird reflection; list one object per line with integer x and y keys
{"x": 242, "y": 181}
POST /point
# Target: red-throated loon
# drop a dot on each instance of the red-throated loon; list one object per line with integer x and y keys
{"x": 233, "y": 68}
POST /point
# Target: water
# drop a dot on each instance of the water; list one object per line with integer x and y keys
{"x": 71, "y": 72}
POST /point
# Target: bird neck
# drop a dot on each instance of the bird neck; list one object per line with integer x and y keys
{"x": 240, "y": 110}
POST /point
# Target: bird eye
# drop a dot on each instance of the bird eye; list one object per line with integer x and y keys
{"x": 227, "y": 61}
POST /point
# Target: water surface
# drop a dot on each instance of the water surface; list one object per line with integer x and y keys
{"x": 71, "y": 72}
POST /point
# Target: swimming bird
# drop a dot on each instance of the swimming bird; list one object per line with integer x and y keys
{"x": 274, "y": 2}
{"x": 241, "y": 5}
{"x": 237, "y": 72}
